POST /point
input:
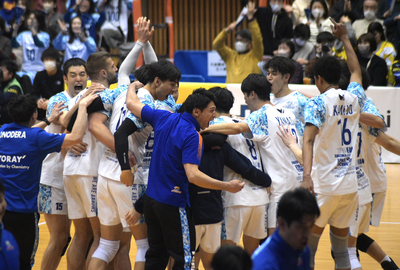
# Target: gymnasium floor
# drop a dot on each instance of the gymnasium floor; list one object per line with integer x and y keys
{"x": 387, "y": 235}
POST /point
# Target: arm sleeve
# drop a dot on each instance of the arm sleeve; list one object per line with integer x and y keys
{"x": 213, "y": 139}
{"x": 258, "y": 47}
{"x": 58, "y": 42}
{"x": 149, "y": 54}
{"x": 121, "y": 142}
{"x": 101, "y": 19}
{"x": 390, "y": 21}
{"x": 242, "y": 165}
{"x": 129, "y": 64}
{"x": 15, "y": 43}
{"x": 36, "y": 87}
{"x": 38, "y": 42}
{"x": 68, "y": 15}
{"x": 97, "y": 105}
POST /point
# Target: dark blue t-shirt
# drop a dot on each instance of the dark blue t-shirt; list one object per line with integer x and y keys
{"x": 176, "y": 142}
{"x": 22, "y": 151}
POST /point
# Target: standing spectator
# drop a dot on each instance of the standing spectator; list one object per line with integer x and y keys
{"x": 275, "y": 25}
{"x": 5, "y": 43}
{"x": 248, "y": 49}
{"x": 298, "y": 9}
{"x": 303, "y": 49}
{"x": 52, "y": 17}
{"x": 48, "y": 82}
{"x": 319, "y": 21}
{"x": 360, "y": 26}
{"x": 76, "y": 43}
{"x": 375, "y": 65}
{"x": 384, "y": 49}
{"x": 287, "y": 247}
{"x": 351, "y": 8}
{"x": 91, "y": 20}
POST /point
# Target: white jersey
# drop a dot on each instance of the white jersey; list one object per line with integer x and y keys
{"x": 336, "y": 114}
{"x": 295, "y": 102}
{"x": 52, "y": 166}
{"x": 31, "y": 61}
{"x": 364, "y": 186}
{"x": 278, "y": 160}
{"x": 251, "y": 194}
{"x": 86, "y": 163}
{"x": 114, "y": 18}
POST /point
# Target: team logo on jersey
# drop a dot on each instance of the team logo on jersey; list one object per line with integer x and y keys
{"x": 341, "y": 97}
{"x": 176, "y": 190}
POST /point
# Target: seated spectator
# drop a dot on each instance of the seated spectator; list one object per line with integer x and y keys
{"x": 303, "y": 49}
{"x": 298, "y": 10}
{"x": 52, "y": 17}
{"x": 325, "y": 41}
{"x": 376, "y": 66}
{"x": 248, "y": 49}
{"x": 91, "y": 20}
{"x": 350, "y": 8}
{"x": 33, "y": 41}
{"x": 231, "y": 257}
{"x": 48, "y": 82}
{"x": 5, "y": 43}
{"x": 319, "y": 21}
{"x": 286, "y": 49}
{"x": 384, "y": 49}
{"x": 275, "y": 25}
{"x": 74, "y": 41}
{"x": 10, "y": 88}
{"x": 394, "y": 71}
{"x": 287, "y": 247}
{"x": 360, "y": 26}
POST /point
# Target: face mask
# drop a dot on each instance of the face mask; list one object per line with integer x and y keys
{"x": 283, "y": 53}
{"x": 316, "y": 12}
{"x": 241, "y": 46}
{"x": 369, "y": 15}
{"x": 300, "y": 42}
{"x": 48, "y": 7}
{"x": 363, "y": 49}
{"x": 276, "y": 8}
{"x": 50, "y": 65}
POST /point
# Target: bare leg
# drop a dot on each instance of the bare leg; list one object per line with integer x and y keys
{"x": 250, "y": 244}
{"x": 206, "y": 259}
{"x": 122, "y": 260}
{"x": 76, "y": 253}
{"x": 95, "y": 224}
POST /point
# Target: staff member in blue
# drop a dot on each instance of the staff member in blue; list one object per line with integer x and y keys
{"x": 22, "y": 150}
{"x": 175, "y": 162}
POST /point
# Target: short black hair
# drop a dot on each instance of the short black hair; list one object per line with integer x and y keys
{"x": 51, "y": 53}
{"x": 225, "y": 99}
{"x": 244, "y": 33}
{"x": 231, "y": 257}
{"x": 21, "y": 108}
{"x": 302, "y": 31}
{"x": 377, "y": 27}
{"x": 345, "y": 77}
{"x": 40, "y": 17}
{"x": 370, "y": 39}
{"x": 325, "y": 37}
{"x": 328, "y": 68}
{"x": 257, "y": 83}
{"x": 297, "y": 203}
{"x": 200, "y": 98}
{"x": 326, "y": 10}
{"x": 162, "y": 69}
{"x": 73, "y": 62}
{"x": 290, "y": 44}
{"x": 282, "y": 65}
{"x": 11, "y": 66}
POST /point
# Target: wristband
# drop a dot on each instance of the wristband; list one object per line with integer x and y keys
{"x": 46, "y": 121}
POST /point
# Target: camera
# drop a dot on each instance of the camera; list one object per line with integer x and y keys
{"x": 326, "y": 47}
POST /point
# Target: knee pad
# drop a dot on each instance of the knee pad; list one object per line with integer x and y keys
{"x": 106, "y": 250}
{"x": 354, "y": 262}
{"x": 142, "y": 247}
{"x": 339, "y": 251}
{"x": 313, "y": 245}
{"x": 364, "y": 242}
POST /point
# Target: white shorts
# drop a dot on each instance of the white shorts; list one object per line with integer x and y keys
{"x": 249, "y": 220}
{"x": 114, "y": 201}
{"x": 337, "y": 210}
{"x": 272, "y": 215}
{"x": 81, "y": 191}
{"x": 362, "y": 218}
{"x": 52, "y": 200}
{"x": 208, "y": 237}
{"x": 378, "y": 200}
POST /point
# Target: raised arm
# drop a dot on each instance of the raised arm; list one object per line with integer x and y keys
{"x": 132, "y": 101}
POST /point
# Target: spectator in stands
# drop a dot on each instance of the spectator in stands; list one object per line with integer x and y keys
{"x": 325, "y": 41}
{"x": 11, "y": 11}
{"x": 275, "y": 25}
{"x": 48, "y": 82}
{"x": 248, "y": 49}
{"x": 360, "y": 26}
{"x": 392, "y": 25}
{"x": 286, "y": 49}
{"x": 394, "y": 71}
{"x": 74, "y": 42}
{"x": 351, "y": 8}
{"x": 91, "y": 20}
{"x": 384, "y": 11}
{"x": 287, "y": 247}
{"x": 298, "y": 10}
{"x": 384, "y": 49}
{"x": 10, "y": 88}
{"x": 376, "y": 66}
{"x": 303, "y": 49}
{"x": 60, "y": 4}
{"x": 5, "y": 43}
{"x": 33, "y": 41}
{"x": 115, "y": 28}
{"x": 319, "y": 21}
{"x": 231, "y": 257}
{"x": 52, "y": 17}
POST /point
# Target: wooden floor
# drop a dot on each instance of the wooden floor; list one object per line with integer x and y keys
{"x": 387, "y": 235}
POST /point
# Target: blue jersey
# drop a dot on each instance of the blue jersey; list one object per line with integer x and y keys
{"x": 22, "y": 150}
{"x": 76, "y": 49}
{"x": 176, "y": 142}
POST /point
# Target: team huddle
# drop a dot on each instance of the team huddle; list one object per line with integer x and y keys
{"x": 187, "y": 177}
